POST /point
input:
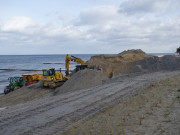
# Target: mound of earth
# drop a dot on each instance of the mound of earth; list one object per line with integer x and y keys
{"x": 81, "y": 80}
{"x": 150, "y": 64}
{"x": 116, "y": 64}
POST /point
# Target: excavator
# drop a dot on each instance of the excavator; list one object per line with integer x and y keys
{"x": 76, "y": 60}
{"x": 53, "y": 79}
{"x": 82, "y": 65}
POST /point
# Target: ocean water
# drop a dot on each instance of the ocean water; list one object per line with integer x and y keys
{"x": 17, "y": 63}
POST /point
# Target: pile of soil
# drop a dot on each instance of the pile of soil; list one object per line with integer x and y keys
{"x": 132, "y": 61}
{"x": 81, "y": 80}
{"x": 151, "y": 64}
{"x": 116, "y": 64}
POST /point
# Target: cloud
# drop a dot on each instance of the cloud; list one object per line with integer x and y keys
{"x": 100, "y": 29}
{"x": 97, "y": 15}
{"x": 18, "y": 23}
{"x": 21, "y": 32}
{"x": 118, "y": 30}
{"x": 146, "y": 6}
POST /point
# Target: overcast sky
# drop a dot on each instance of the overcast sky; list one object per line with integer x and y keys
{"x": 88, "y": 26}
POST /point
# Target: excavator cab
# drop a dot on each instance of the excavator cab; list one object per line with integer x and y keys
{"x": 81, "y": 67}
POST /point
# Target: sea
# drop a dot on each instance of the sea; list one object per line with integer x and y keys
{"x": 18, "y": 65}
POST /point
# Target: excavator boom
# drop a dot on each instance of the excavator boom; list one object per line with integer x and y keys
{"x": 74, "y": 59}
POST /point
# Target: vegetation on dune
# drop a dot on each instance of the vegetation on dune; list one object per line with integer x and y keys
{"x": 178, "y": 50}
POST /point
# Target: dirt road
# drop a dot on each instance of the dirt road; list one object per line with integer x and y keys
{"x": 54, "y": 114}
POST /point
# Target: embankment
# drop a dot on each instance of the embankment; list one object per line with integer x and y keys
{"x": 132, "y": 61}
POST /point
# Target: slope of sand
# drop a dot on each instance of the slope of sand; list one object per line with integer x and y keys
{"x": 43, "y": 111}
{"x": 54, "y": 114}
{"x": 23, "y": 95}
{"x": 82, "y": 80}
{"x": 155, "y": 111}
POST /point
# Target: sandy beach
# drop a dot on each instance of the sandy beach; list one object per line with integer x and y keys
{"x": 52, "y": 114}
{"x": 136, "y": 94}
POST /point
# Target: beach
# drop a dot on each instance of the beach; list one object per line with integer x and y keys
{"x": 133, "y": 99}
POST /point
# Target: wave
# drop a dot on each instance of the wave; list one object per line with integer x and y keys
{"x": 2, "y": 81}
{"x": 5, "y": 70}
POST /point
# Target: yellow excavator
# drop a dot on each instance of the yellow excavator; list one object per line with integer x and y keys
{"x": 82, "y": 65}
{"x": 53, "y": 79}
{"x": 76, "y": 60}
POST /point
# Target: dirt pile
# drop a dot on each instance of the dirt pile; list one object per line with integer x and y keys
{"x": 131, "y": 61}
{"x": 82, "y": 79}
{"x": 150, "y": 64}
{"x": 116, "y": 64}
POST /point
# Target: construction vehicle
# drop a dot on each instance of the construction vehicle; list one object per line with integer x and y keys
{"x": 30, "y": 79}
{"x": 52, "y": 79}
{"x": 82, "y": 65}
{"x": 13, "y": 83}
{"x": 76, "y": 60}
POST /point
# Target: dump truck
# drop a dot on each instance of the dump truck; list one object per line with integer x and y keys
{"x": 30, "y": 79}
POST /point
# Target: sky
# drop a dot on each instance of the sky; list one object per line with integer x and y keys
{"x": 88, "y": 26}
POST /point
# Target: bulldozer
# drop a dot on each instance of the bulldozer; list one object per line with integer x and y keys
{"x": 14, "y": 82}
{"x": 52, "y": 79}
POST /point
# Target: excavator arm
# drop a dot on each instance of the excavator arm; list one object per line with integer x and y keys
{"x": 74, "y": 59}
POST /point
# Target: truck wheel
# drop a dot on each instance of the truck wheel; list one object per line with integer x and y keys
{"x": 6, "y": 90}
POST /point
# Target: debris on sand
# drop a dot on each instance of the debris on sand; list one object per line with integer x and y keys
{"x": 81, "y": 80}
